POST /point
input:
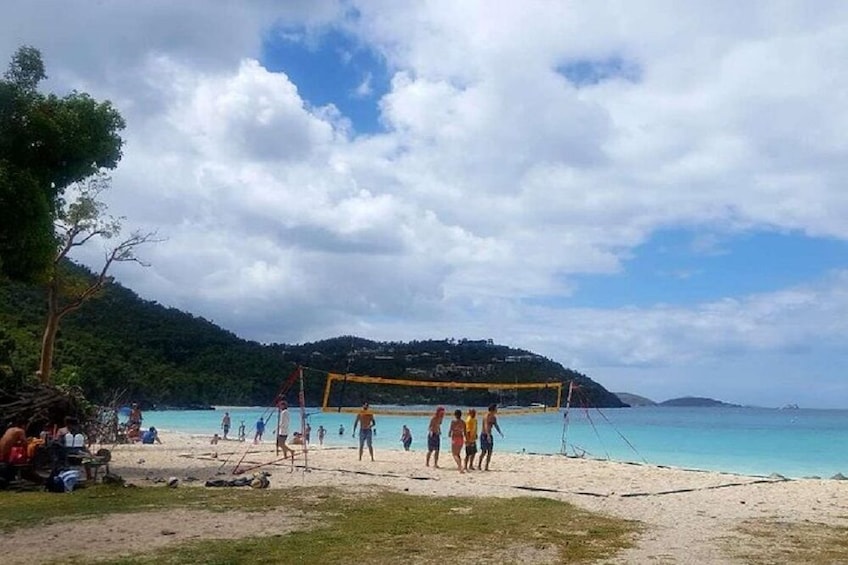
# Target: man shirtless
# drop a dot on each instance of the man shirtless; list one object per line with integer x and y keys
{"x": 13, "y": 436}
{"x": 365, "y": 421}
{"x": 434, "y": 436}
{"x": 487, "y": 441}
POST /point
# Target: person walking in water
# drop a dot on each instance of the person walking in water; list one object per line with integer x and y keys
{"x": 260, "y": 429}
{"x": 457, "y": 437}
{"x": 470, "y": 439}
{"x": 365, "y": 421}
{"x": 434, "y": 436}
{"x": 487, "y": 440}
{"x": 406, "y": 438}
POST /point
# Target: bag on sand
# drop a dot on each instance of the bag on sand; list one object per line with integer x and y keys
{"x": 62, "y": 480}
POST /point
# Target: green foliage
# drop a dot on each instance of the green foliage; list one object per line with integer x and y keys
{"x": 47, "y": 142}
{"x": 162, "y": 356}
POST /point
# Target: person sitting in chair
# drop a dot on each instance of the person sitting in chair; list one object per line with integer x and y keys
{"x": 13, "y": 437}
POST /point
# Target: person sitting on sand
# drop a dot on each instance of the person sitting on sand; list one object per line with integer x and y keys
{"x": 133, "y": 433}
{"x": 150, "y": 437}
{"x": 434, "y": 436}
{"x": 457, "y": 437}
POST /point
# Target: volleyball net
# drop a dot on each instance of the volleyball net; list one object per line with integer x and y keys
{"x": 347, "y": 393}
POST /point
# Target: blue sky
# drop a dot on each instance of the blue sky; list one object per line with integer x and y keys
{"x": 683, "y": 267}
{"x": 330, "y": 68}
{"x": 650, "y": 194}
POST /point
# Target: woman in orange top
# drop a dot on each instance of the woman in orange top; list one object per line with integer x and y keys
{"x": 457, "y": 435}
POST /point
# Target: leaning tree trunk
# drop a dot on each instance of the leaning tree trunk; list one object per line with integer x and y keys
{"x": 48, "y": 340}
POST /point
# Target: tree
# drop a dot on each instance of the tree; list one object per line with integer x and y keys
{"x": 79, "y": 222}
{"x": 46, "y": 144}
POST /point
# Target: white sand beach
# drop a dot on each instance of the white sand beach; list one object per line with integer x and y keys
{"x": 688, "y": 514}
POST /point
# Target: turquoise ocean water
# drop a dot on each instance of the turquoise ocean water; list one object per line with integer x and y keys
{"x": 752, "y": 441}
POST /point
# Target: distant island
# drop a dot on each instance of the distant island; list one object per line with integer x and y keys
{"x": 634, "y": 400}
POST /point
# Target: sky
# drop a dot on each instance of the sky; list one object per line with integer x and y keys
{"x": 651, "y": 193}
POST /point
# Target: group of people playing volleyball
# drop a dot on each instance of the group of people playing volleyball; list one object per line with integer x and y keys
{"x": 462, "y": 433}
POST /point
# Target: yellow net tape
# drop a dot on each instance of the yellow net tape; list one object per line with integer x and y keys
{"x": 535, "y": 409}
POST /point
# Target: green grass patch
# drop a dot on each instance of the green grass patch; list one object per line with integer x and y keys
{"x": 774, "y": 541}
{"x": 374, "y": 526}
{"x": 391, "y": 527}
{"x": 27, "y": 509}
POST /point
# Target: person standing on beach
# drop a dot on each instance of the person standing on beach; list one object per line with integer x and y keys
{"x": 365, "y": 421}
{"x": 406, "y": 438}
{"x": 457, "y": 437}
{"x": 434, "y": 436}
{"x": 470, "y": 439}
{"x": 487, "y": 440}
{"x": 135, "y": 415}
{"x": 283, "y": 430}
{"x": 260, "y": 429}
{"x": 241, "y": 431}
{"x": 322, "y": 431}
{"x": 225, "y": 424}
{"x": 307, "y": 433}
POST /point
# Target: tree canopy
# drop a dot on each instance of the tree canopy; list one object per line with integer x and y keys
{"x": 162, "y": 356}
{"x": 47, "y": 142}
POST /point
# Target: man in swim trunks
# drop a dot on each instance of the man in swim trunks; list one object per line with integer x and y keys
{"x": 487, "y": 441}
{"x": 470, "y": 438}
{"x": 365, "y": 421}
{"x": 434, "y": 436}
{"x": 225, "y": 424}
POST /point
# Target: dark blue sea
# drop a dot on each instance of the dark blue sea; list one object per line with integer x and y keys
{"x": 752, "y": 441}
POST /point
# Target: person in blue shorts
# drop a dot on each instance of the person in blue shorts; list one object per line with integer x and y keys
{"x": 260, "y": 429}
{"x": 487, "y": 441}
{"x": 434, "y": 436}
{"x": 365, "y": 421}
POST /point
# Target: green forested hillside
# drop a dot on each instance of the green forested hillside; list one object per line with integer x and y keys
{"x": 162, "y": 356}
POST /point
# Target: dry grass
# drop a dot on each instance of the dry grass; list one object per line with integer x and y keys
{"x": 767, "y": 541}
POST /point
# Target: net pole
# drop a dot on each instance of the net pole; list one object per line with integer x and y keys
{"x": 277, "y": 432}
{"x": 564, "y": 446}
{"x": 302, "y": 400}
